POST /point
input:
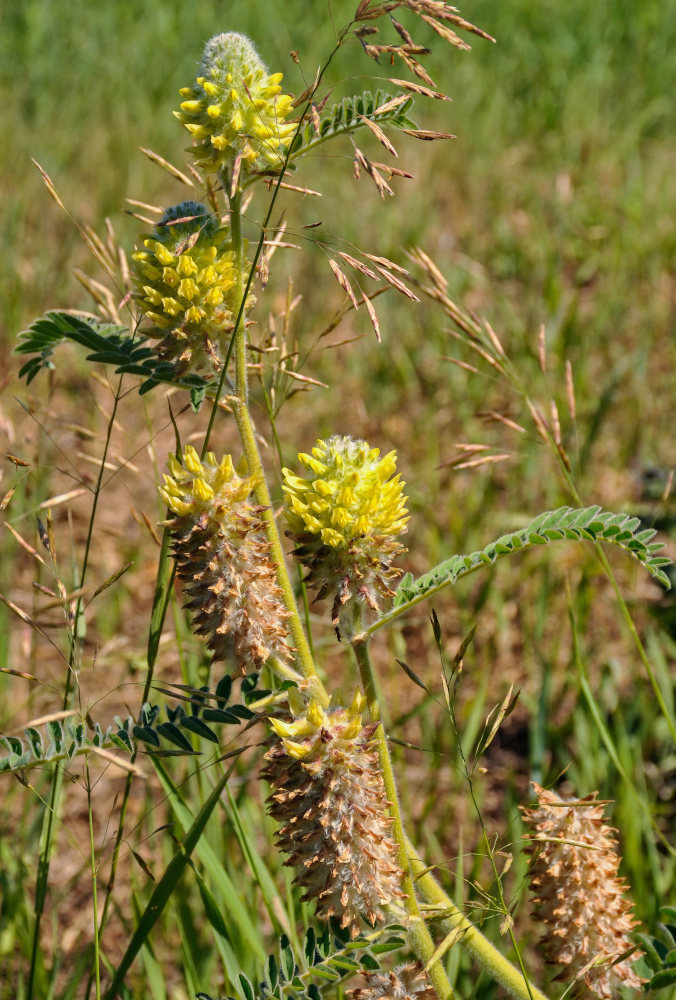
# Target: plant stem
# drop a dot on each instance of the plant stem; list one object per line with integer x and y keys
{"x": 163, "y": 582}
{"x": 94, "y": 874}
{"x": 56, "y": 781}
{"x": 469, "y": 936}
{"x": 240, "y": 407}
{"x": 419, "y": 936}
{"x": 500, "y": 968}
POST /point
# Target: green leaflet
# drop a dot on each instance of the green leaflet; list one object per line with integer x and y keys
{"x": 107, "y": 344}
{"x": 344, "y": 118}
{"x": 328, "y": 955}
{"x": 60, "y": 740}
{"x": 658, "y": 964}
{"x": 586, "y": 524}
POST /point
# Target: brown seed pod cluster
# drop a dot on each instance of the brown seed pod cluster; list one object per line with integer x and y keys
{"x": 328, "y": 794}
{"x": 578, "y": 895}
{"x": 223, "y": 557}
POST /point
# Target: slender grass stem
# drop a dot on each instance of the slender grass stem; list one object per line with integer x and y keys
{"x": 247, "y": 434}
{"x": 56, "y": 780}
{"x": 504, "y": 909}
{"x": 603, "y": 559}
{"x": 94, "y": 874}
{"x": 514, "y": 980}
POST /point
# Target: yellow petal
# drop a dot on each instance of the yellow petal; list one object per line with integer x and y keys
{"x": 191, "y": 460}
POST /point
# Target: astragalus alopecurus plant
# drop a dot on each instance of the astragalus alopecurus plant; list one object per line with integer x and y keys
{"x": 195, "y": 288}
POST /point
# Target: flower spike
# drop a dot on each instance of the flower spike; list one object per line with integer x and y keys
{"x": 329, "y": 796}
{"x": 186, "y": 286}
{"x": 578, "y": 895}
{"x": 223, "y": 557}
{"x": 235, "y": 110}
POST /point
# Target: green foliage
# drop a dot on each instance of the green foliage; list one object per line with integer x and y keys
{"x": 63, "y": 740}
{"x": 590, "y": 524}
{"x": 107, "y": 343}
{"x": 660, "y": 952}
{"x": 166, "y": 886}
{"x": 329, "y": 955}
{"x": 347, "y": 116}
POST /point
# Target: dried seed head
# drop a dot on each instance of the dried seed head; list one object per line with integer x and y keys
{"x": 328, "y": 794}
{"x": 344, "y": 518}
{"x": 223, "y": 556}
{"x": 186, "y": 286}
{"x": 405, "y": 982}
{"x": 578, "y": 894}
{"x": 235, "y": 110}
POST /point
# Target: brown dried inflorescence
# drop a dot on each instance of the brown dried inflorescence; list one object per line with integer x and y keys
{"x": 405, "y": 982}
{"x": 578, "y": 895}
{"x": 439, "y": 15}
{"x": 328, "y": 794}
{"x": 223, "y": 557}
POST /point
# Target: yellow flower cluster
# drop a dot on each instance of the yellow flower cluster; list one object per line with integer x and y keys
{"x": 349, "y": 493}
{"x": 302, "y": 739}
{"x": 195, "y": 487}
{"x": 185, "y": 279}
{"x": 344, "y": 518}
{"x": 235, "y": 108}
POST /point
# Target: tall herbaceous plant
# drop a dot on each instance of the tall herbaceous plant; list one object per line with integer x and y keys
{"x": 184, "y": 310}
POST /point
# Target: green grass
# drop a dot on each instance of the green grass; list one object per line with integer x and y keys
{"x": 554, "y": 206}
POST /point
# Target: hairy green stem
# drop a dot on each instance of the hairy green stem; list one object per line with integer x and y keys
{"x": 240, "y": 407}
{"x": 454, "y": 921}
{"x": 501, "y": 969}
{"x": 419, "y": 936}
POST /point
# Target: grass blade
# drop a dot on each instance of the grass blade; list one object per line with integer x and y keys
{"x": 165, "y": 887}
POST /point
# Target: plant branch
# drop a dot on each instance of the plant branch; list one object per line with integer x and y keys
{"x": 454, "y": 921}
{"x": 419, "y": 936}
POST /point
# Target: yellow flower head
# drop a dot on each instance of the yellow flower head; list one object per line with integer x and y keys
{"x": 344, "y": 516}
{"x": 185, "y": 280}
{"x": 235, "y": 108}
{"x": 223, "y": 557}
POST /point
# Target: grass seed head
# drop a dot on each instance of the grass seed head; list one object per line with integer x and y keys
{"x": 223, "y": 557}
{"x": 186, "y": 286}
{"x": 235, "y": 110}
{"x": 329, "y": 796}
{"x": 344, "y": 517}
{"x": 578, "y": 895}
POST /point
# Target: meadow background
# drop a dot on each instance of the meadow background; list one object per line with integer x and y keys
{"x": 555, "y": 205}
